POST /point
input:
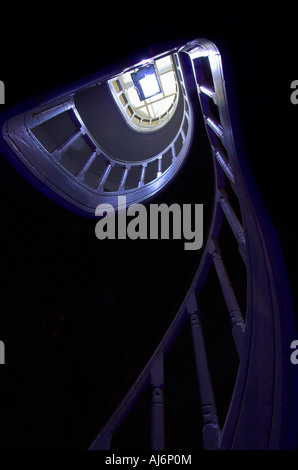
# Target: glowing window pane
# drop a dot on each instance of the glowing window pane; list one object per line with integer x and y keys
{"x": 164, "y": 64}
{"x": 168, "y": 83}
{"x": 149, "y": 85}
{"x": 133, "y": 97}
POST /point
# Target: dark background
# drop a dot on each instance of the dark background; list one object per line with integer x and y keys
{"x": 79, "y": 316}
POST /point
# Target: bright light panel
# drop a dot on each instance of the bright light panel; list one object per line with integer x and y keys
{"x": 149, "y": 85}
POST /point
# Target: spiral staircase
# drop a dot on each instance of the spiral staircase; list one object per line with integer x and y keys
{"x": 43, "y": 142}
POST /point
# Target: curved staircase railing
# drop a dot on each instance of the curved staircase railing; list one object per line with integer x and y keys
{"x": 262, "y": 412}
{"x": 97, "y": 177}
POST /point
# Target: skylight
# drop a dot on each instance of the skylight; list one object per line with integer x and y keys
{"x": 147, "y": 95}
{"x": 149, "y": 86}
{"x": 146, "y": 82}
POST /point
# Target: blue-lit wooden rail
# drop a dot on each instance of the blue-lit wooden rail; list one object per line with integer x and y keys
{"x": 262, "y": 413}
{"x": 71, "y": 188}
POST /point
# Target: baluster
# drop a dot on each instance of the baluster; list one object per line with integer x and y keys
{"x": 183, "y": 135}
{"x": 229, "y": 295}
{"x": 207, "y": 91}
{"x": 157, "y": 404}
{"x": 211, "y": 430}
{"x": 123, "y": 179}
{"x": 223, "y": 161}
{"x": 82, "y": 172}
{"x": 143, "y": 172}
{"x": 232, "y": 218}
{"x": 215, "y": 126}
{"x": 104, "y": 177}
{"x": 57, "y": 153}
{"x": 174, "y": 156}
{"x": 159, "y": 162}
